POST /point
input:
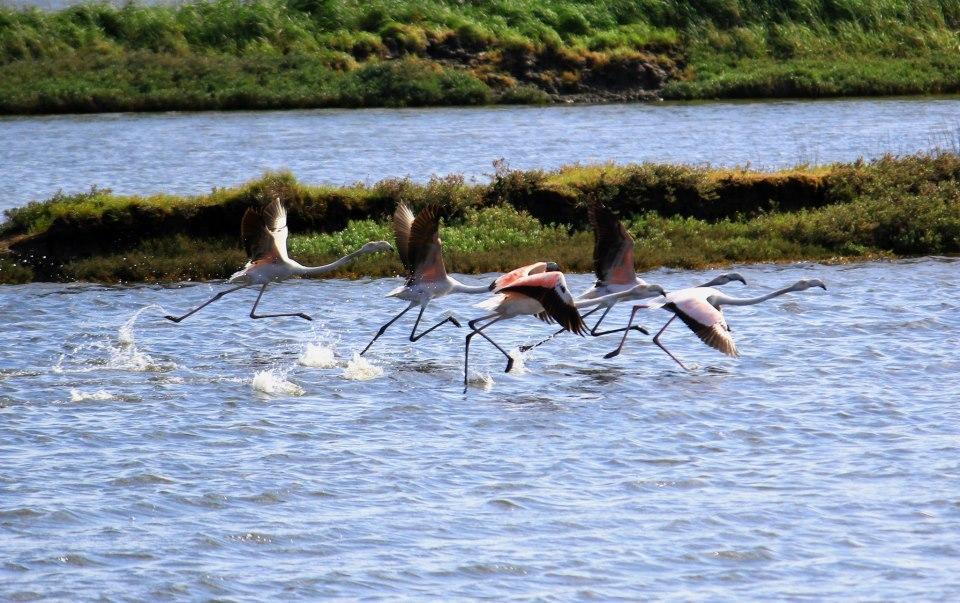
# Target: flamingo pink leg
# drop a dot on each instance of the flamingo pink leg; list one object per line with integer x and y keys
{"x": 204, "y": 304}
{"x": 386, "y": 326}
{"x": 253, "y": 310}
{"x": 527, "y": 348}
{"x": 414, "y": 337}
{"x": 656, "y": 340}
{"x": 626, "y": 331}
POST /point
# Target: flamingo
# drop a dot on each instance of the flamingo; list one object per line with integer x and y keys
{"x": 421, "y": 252}
{"x": 263, "y": 231}
{"x": 613, "y": 264}
{"x": 539, "y": 289}
{"x": 700, "y": 309}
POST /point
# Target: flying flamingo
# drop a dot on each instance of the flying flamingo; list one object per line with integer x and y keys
{"x": 543, "y": 293}
{"x": 418, "y": 243}
{"x": 700, "y": 309}
{"x": 614, "y": 267}
{"x": 263, "y": 231}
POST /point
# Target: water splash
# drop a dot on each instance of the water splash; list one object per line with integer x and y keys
{"x": 274, "y": 382}
{"x": 127, "y": 356}
{"x": 317, "y": 355}
{"x": 77, "y": 395}
{"x": 519, "y": 365}
{"x": 361, "y": 369}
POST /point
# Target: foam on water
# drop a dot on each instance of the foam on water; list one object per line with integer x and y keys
{"x": 77, "y": 395}
{"x": 274, "y": 382}
{"x": 481, "y": 381}
{"x": 317, "y": 355}
{"x": 361, "y": 369}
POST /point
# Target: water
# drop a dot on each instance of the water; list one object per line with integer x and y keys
{"x": 190, "y": 153}
{"x": 250, "y": 460}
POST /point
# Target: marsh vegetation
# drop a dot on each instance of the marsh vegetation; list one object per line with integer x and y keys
{"x": 681, "y": 216}
{"x": 231, "y": 54}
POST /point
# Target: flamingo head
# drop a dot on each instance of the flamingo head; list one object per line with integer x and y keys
{"x": 376, "y": 246}
{"x": 552, "y": 267}
{"x": 809, "y": 282}
{"x": 655, "y": 290}
{"x": 729, "y": 277}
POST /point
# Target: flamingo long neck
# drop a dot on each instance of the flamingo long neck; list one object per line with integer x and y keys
{"x": 312, "y": 270}
{"x": 719, "y": 299}
{"x": 459, "y": 287}
{"x": 595, "y": 301}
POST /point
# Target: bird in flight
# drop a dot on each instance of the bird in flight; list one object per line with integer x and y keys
{"x": 263, "y": 231}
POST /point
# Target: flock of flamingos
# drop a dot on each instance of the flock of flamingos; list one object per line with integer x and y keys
{"x": 539, "y": 289}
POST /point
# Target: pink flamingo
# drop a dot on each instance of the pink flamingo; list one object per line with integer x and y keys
{"x": 613, "y": 264}
{"x": 419, "y": 246}
{"x": 264, "y": 234}
{"x": 539, "y": 289}
{"x": 700, "y": 309}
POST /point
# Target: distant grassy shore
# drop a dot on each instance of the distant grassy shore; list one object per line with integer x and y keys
{"x": 680, "y": 216}
{"x": 259, "y": 54}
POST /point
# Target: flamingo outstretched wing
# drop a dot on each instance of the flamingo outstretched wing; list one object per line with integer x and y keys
{"x": 263, "y": 232}
{"x": 550, "y": 289}
{"x": 612, "y": 247}
{"x": 402, "y": 222}
{"x": 424, "y": 248}
{"x": 707, "y": 322}
{"x": 514, "y": 275}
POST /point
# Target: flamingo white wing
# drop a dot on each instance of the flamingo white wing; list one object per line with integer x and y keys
{"x": 264, "y": 232}
{"x": 707, "y": 322}
{"x": 275, "y": 217}
{"x": 402, "y": 222}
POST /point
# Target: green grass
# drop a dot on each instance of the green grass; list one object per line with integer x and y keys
{"x": 680, "y": 216}
{"x": 227, "y": 54}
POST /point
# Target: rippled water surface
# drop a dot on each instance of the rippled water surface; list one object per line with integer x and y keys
{"x": 194, "y": 152}
{"x": 241, "y": 459}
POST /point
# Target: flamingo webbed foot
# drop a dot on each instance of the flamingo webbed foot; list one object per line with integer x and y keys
{"x": 454, "y": 321}
{"x": 526, "y": 348}
{"x": 612, "y": 354}
{"x": 304, "y": 316}
{"x": 642, "y": 330}
{"x": 173, "y": 318}
{"x": 509, "y": 365}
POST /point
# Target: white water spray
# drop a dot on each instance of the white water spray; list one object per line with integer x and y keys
{"x": 361, "y": 369}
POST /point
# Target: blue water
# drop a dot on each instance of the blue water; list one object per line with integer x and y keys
{"x": 191, "y": 153}
{"x": 147, "y": 460}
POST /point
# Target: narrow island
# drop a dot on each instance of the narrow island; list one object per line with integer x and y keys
{"x": 681, "y": 216}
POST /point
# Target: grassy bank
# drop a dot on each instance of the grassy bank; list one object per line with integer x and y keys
{"x": 229, "y": 54}
{"x": 681, "y": 216}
